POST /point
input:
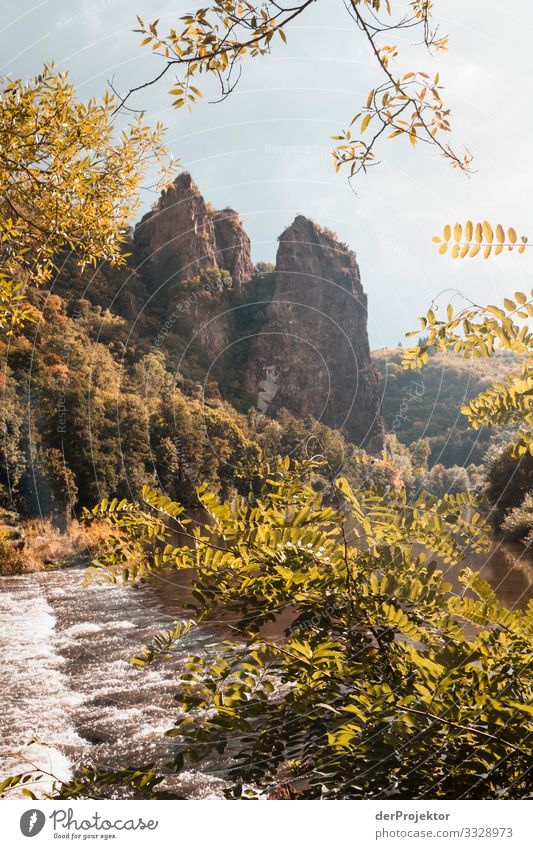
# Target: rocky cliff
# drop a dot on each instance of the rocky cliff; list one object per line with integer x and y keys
{"x": 312, "y": 354}
{"x": 183, "y": 237}
{"x": 192, "y": 257}
{"x": 306, "y": 350}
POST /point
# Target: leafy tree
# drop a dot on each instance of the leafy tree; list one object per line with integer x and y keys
{"x": 65, "y": 182}
{"x": 372, "y": 687}
{"x": 477, "y": 331}
{"x": 12, "y": 461}
{"x": 52, "y": 489}
{"x": 216, "y": 38}
{"x": 420, "y": 451}
{"x": 440, "y": 480}
{"x": 518, "y": 523}
{"x": 480, "y": 331}
{"x": 428, "y": 406}
{"x": 507, "y": 482}
{"x": 287, "y": 436}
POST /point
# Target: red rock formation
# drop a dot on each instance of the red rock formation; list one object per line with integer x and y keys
{"x": 313, "y": 342}
{"x": 315, "y": 337}
{"x": 192, "y": 258}
{"x": 183, "y": 237}
{"x": 176, "y": 240}
{"x": 233, "y": 247}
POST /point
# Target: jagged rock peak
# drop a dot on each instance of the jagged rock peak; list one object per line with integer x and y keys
{"x": 315, "y": 338}
{"x": 316, "y": 249}
{"x": 184, "y": 236}
{"x": 233, "y": 246}
{"x": 306, "y": 230}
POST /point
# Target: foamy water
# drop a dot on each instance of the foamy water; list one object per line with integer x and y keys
{"x": 66, "y": 678}
{"x": 36, "y": 699}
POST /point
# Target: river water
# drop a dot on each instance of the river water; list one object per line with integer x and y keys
{"x": 66, "y": 678}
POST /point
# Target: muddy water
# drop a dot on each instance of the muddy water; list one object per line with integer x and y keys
{"x": 66, "y": 679}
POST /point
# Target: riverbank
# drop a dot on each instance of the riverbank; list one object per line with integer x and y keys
{"x": 37, "y": 545}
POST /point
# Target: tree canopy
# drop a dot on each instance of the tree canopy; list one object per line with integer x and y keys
{"x": 66, "y": 182}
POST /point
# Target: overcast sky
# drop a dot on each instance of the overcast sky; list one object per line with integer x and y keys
{"x": 266, "y": 150}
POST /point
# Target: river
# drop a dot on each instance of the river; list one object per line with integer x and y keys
{"x": 66, "y": 678}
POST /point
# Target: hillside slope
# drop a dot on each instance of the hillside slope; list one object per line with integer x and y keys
{"x": 427, "y": 403}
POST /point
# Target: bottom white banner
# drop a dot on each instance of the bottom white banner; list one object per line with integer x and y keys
{"x": 269, "y": 825}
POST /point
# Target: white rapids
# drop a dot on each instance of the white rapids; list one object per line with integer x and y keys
{"x": 66, "y": 679}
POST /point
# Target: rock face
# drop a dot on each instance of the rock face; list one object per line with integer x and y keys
{"x": 183, "y": 237}
{"x": 233, "y": 247}
{"x": 176, "y": 240}
{"x": 194, "y": 258}
{"x": 309, "y": 349}
{"x": 312, "y": 355}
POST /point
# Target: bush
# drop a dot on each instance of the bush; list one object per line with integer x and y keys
{"x": 517, "y": 525}
{"x": 36, "y": 545}
{"x": 12, "y": 559}
{"x": 371, "y": 688}
{"x": 508, "y": 481}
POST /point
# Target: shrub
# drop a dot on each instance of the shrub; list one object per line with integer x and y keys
{"x": 517, "y": 525}
{"x": 371, "y": 688}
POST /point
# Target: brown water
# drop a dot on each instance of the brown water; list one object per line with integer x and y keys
{"x": 66, "y": 676}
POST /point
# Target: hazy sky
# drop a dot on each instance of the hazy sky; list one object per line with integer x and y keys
{"x": 266, "y": 150}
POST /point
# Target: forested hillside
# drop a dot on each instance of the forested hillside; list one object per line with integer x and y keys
{"x": 184, "y": 366}
{"x": 151, "y": 372}
{"x": 427, "y": 403}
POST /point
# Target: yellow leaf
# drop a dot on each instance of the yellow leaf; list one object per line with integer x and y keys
{"x": 479, "y": 233}
{"x": 500, "y": 234}
{"x": 447, "y": 233}
{"x": 496, "y": 311}
{"x": 487, "y": 232}
{"x": 469, "y": 229}
{"x": 366, "y": 121}
{"x": 512, "y": 235}
{"x": 487, "y": 251}
{"x": 457, "y": 232}
{"x": 474, "y": 250}
{"x": 443, "y": 248}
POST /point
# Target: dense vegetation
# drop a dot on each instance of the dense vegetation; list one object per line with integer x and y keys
{"x": 84, "y": 419}
{"x": 372, "y": 687}
{"x": 427, "y": 404}
{"x": 91, "y": 410}
{"x": 66, "y": 180}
